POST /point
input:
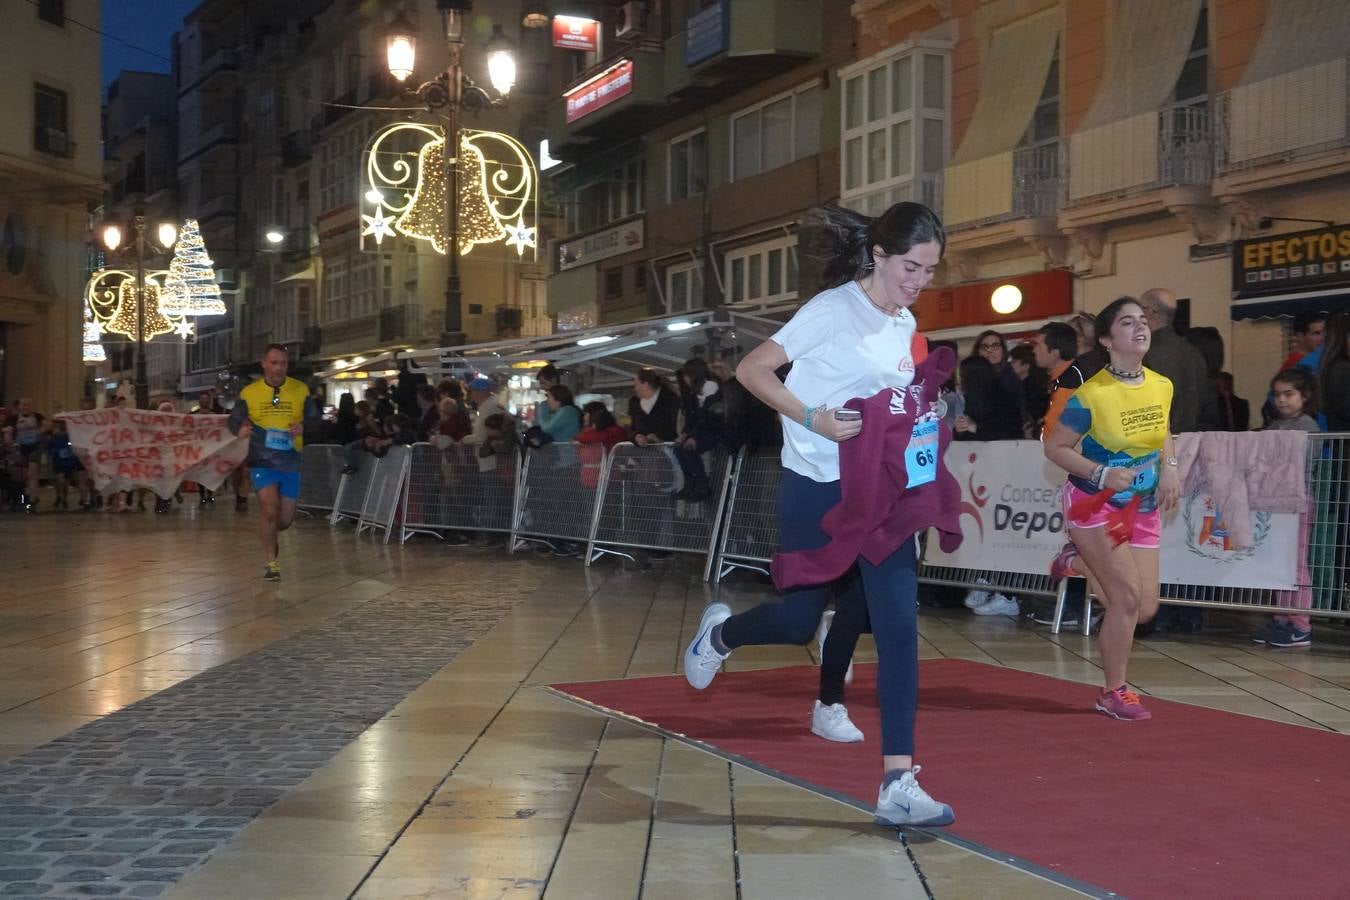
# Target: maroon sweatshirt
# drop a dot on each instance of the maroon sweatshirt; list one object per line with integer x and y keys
{"x": 878, "y": 511}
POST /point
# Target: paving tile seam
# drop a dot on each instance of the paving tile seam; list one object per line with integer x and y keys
{"x": 203, "y": 758}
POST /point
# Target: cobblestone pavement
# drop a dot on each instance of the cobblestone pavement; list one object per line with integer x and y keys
{"x": 129, "y": 804}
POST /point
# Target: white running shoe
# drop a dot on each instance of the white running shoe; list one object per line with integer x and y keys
{"x": 702, "y": 662}
{"x": 833, "y": 724}
{"x": 998, "y": 605}
{"x": 979, "y": 596}
{"x": 822, "y": 630}
{"x": 903, "y": 802}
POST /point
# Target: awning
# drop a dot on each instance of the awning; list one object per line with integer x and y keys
{"x": 305, "y": 274}
{"x": 1150, "y": 40}
{"x": 1012, "y": 76}
{"x": 1329, "y": 301}
{"x": 1298, "y": 34}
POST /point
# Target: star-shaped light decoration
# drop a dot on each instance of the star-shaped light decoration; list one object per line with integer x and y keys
{"x": 519, "y": 235}
{"x": 378, "y": 226}
{"x": 184, "y": 328}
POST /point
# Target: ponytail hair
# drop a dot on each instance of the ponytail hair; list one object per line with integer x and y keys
{"x": 852, "y": 235}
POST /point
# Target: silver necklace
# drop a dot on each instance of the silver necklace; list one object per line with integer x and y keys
{"x": 877, "y": 306}
{"x": 1122, "y": 374}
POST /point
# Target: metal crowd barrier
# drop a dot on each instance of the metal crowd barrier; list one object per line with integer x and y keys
{"x": 320, "y": 475}
{"x": 352, "y": 491}
{"x": 554, "y": 501}
{"x": 750, "y": 533}
{"x": 454, "y": 489}
{"x": 381, "y": 507}
{"x": 640, "y": 507}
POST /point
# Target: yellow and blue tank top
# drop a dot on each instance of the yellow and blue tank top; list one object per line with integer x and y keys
{"x": 1122, "y": 425}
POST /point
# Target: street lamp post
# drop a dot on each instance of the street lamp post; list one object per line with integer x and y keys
{"x": 112, "y": 239}
{"x": 453, "y": 90}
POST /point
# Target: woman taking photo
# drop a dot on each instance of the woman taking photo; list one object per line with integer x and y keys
{"x": 1121, "y": 475}
{"x": 852, "y": 340}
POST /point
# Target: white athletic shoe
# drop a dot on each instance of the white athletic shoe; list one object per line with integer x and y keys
{"x": 903, "y": 802}
{"x": 701, "y": 661}
{"x": 833, "y": 724}
{"x": 979, "y": 596}
{"x": 998, "y": 605}
{"x": 822, "y": 630}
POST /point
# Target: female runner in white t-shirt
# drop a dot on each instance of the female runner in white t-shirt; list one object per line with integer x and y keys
{"x": 851, "y": 340}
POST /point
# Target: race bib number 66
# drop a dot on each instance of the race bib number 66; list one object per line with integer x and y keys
{"x": 922, "y": 453}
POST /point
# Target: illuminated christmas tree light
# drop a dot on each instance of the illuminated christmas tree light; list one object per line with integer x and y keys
{"x": 191, "y": 289}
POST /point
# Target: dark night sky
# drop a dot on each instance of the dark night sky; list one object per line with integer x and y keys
{"x": 147, "y": 24}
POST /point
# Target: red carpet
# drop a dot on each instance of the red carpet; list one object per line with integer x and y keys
{"x": 1195, "y": 802}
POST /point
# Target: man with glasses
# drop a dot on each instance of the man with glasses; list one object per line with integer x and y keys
{"x": 272, "y": 413}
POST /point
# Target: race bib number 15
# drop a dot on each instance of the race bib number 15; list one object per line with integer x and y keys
{"x": 922, "y": 453}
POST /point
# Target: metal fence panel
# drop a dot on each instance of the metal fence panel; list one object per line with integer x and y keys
{"x": 320, "y": 475}
{"x": 639, "y": 509}
{"x": 750, "y": 535}
{"x": 351, "y": 492}
{"x": 381, "y": 506}
{"x": 557, "y": 494}
{"x": 454, "y": 489}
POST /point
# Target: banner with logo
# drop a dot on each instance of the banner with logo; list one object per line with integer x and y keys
{"x": 1012, "y": 520}
{"x": 124, "y": 449}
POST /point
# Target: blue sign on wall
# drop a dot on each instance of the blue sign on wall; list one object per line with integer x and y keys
{"x": 706, "y": 32}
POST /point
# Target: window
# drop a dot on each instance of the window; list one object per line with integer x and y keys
{"x": 776, "y": 132}
{"x": 1193, "y": 84}
{"x": 764, "y": 271}
{"x": 684, "y": 287}
{"x": 688, "y": 173}
{"x": 1044, "y": 127}
{"x": 617, "y": 195}
{"x": 53, "y": 11}
{"x": 613, "y": 284}
{"x": 894, "y": 141}
{"x": 475, "y": 309}
{"x": 49, "y": 121}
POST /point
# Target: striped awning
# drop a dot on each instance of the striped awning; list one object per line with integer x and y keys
{"x": 1150, "y": 40}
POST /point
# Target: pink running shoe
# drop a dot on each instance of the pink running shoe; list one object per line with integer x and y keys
{"x": 1061, "y": 566}
{"x": 1122, "y": 703}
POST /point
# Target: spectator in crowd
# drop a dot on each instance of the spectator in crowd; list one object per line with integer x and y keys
{"x": 991, "y": 412}
{"x": 1175, "y": 358}
{"x": 485, "y": 402}
{"x": 369, "y": 432}
{"x": 654, "y": 410}
{"x": 1084, "y": 326}
{"x": 994, "y": 347}
{"x": 1055, "y": 350}
{"x": 380, "y": 401}
{"x": 546, "y": 378}
{"x": 1209, "y": 342}
{"x": 1334, "y": 377}
{"x": 13, "y": 470}
{"x": 30, "y": 436}
{"x": 1309, "y": 331}
{"x": 1234, "y": 413}
{"x": 344, "y": 424}
{"x": 704, "y": 426}
{"x": 1294, "y": 397}
{"x": 601, "y": 427}
{"x": 750, "y": 422}
{"x": 500, "y": 439}
{"x": 431, "y": 413}
{"x": 208, "y": 404}
{"x": 67, "y": 468}
{"x": 1035, "y": 388}
{"x": 557, "y": 419}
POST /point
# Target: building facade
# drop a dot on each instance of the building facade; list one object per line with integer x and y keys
{"x": 50, "y": 174}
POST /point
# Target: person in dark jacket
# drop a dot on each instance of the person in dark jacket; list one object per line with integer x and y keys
{"x": 654, "y": 410}
{"x": 1209, "y": 342}
{"x": 1171, "y": 356}
{"x": 1334, "y": 374}
{"x": 704, "y": 426}
{"x": 1235, "y": 414}
{"x": 344, "y": 426}
{"x": 991, "y": 413}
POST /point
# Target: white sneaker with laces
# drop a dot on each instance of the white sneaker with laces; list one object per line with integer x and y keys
{"x": 823, "y": 630}
{"x": 833, "y": 724}
{"x": 702, "y": 662}
{"x": 979, "y": 596}
{"x": 903, "y": 802}
{"x": 998, "y": 605}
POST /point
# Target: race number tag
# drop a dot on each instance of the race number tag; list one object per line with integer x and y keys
{"x": 922, "y": 453}
{"x": 278, "y": 440}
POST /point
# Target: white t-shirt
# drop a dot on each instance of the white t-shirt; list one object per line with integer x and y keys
{"x": 841, "y": 347}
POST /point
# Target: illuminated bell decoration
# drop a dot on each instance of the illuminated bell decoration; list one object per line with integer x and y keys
{"x": 498, "y": 198}
{"x": 125, "y": 321}
{"x": 190, "y": 288}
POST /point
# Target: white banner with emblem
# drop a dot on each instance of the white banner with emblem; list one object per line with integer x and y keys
{"x": 1012, "y": 520}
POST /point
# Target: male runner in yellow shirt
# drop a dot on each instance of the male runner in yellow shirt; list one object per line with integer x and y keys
{"x": 271, "y": 412}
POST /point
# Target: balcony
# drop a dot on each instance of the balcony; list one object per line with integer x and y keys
{"x": 1290, "y": 128}
{"x": 1149, "y": 165}
{"x": 743, "y": 41}
{"x": 622, "y": 97}
{"x": 333, "y": 113}
{"x": 216, "y": 63}
{"x": 297, "y": 148}
{"x": 1021, "y": 184}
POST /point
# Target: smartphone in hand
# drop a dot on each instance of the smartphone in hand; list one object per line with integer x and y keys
{"x": 844, "y": 414}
